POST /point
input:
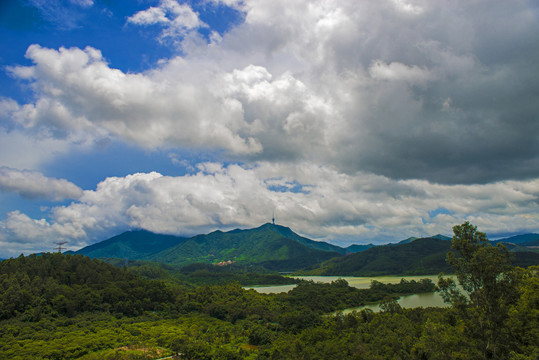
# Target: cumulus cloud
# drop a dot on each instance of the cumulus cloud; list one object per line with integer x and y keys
{"x": 315, "y": 201}
{"x": 176, "y": 19}
{"x": 82, "y": 97}
{"x": 32, "y": 184}
{"x": 442, "y": 91}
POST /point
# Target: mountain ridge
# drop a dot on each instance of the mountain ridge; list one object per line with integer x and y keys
{"x": 275, "y": 247}
{"x": 133, "y": 244}
{"x": 422, "y": 256}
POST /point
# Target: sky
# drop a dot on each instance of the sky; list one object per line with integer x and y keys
{"x": 350, "y": 121}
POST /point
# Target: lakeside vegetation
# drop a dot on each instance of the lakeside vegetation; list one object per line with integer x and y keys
{"x": 57, "y": 306}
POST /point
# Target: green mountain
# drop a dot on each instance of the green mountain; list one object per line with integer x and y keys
{"x": 276, "y": 247}
{"x": 133, "y": 245}
{"x": 271, "y": 246}
{"x": 519, "y": 239}
{"x": 530, "y": 243}
{"x": 358, "y": 248}
{"x": 438, "y": 236}
{"x": 419, "y": 257}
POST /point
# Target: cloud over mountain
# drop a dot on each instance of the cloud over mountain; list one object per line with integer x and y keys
{"x": 368, "y": 119}
{"x": 314, "y": 201}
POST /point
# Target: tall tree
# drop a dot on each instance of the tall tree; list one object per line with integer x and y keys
{"x": 487, "y": 286}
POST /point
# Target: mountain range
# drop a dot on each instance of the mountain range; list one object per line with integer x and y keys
{"x": 271, "y": 246}
{"x": 278, "y": 248}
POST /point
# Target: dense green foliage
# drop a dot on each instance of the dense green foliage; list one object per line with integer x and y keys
{"x": 59, "y": 284}
{"x": 70, "y": 306}
{"x": 58, "y": 306}
{"x": 203, "y": 274}
{"x": 488, "y": 286}
{"x": 421, "y": 256}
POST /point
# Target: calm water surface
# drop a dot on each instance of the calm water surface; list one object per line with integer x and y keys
{"x": 409, "y": 301}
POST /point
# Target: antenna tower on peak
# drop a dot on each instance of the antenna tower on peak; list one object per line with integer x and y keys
{"x": 59, "y": 247}
{"x": 273, "y": 218}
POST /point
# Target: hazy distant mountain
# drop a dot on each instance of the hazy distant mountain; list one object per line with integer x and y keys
{"x": 520, "y": 243}
{"x": 133, "y": 245}
{"x": 520, "y": 239}
{"x": 530, "y": 243}
{"x": 418, "y": 257}
{"x": 358, "y": 248}
{"x": 438, "y": 236}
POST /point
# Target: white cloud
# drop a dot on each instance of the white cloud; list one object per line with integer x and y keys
{"x": 176, "y": 19}
{"x": 82, "y": 97}
{"x": 32, "y": 184}
{"x": 333, "y": 206}
{"x": 360, "y": 85}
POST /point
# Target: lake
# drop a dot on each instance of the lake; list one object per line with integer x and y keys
{"x": 409, "y": 301}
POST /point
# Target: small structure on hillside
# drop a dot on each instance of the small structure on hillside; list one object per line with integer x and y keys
{"x": 225, "y": 263}
{"x": 59, "y": 247}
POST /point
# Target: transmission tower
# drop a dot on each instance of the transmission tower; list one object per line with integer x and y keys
{"x": 59, "y": 247}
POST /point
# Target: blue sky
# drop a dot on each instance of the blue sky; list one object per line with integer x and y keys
{"x": 354, "y": 121}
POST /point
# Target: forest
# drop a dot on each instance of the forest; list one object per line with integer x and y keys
{"x": 57, "y": 306}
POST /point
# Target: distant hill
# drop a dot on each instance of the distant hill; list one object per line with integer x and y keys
{"x": 421, "y": 256}
{"x": 289, "y": 234}
{"x": 520, "y": 243}
{"x": 438, "y": 236}
{"x": 133, "y": 245}
{"x": 519, "y": 239}
{"x": 418, "y": 257}
{"x": 276, "y": 247}
{"x": 358, "y": 248}
{"x": 530, "y": 243}
{"x": 272, "y": 246}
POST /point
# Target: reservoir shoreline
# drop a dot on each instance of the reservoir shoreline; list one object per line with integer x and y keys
{"x": 433, "y": 299}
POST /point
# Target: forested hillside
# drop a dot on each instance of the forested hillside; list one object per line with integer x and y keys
{"x": 57, "y": 306}
{"x": 56, "y": 284}
{"x": 69, "y": 306}
{"x": 418, "y": 257}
